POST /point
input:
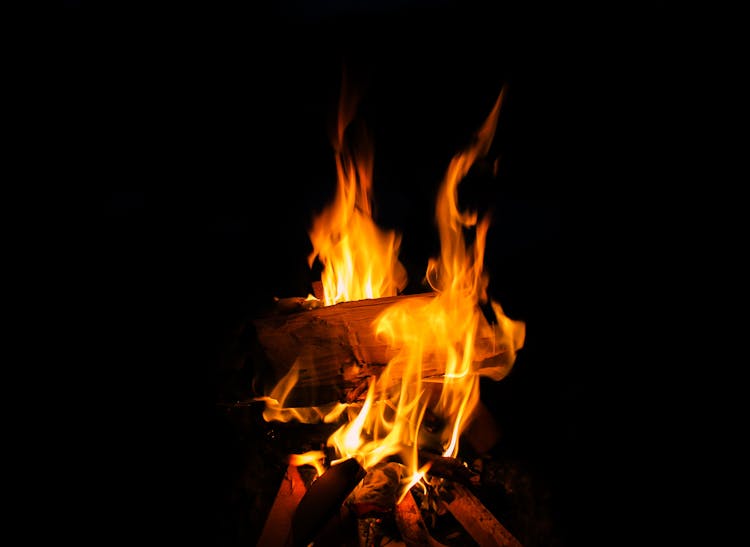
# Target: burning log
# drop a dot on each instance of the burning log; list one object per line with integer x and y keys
{"x": 345, "y": 504}
{"x": 411, "y": 525}
{"x": 478, "y": 521}
{"x": 323, "y": 501}
{"x": 373, "y": 502}
{"x": 278, "y": 523}
{"x": 449, "y": 468}
{"x": 381, "y": 516}
{"x": 337, "y": 347}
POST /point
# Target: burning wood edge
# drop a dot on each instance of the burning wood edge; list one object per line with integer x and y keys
{"x": 323, "y": 501}
{"x": 478, "y": 521}
{"x": 298, "y": 515}
{"x": 448, "y": 468}
{"x": 375, "y": 501}
{"x": 411, "y": 525}
{"x": 336, "y": 348}
{"x": 279, "y": 521}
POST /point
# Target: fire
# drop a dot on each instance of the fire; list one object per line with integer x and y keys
{"x": 447, "y": 329}
{"x": 276, "y": 411}
{"x": 359, "y": 259}
{"x": 314, "y": 458}
{"x": 416, "y": 477}
{"x": 348, "y": 439}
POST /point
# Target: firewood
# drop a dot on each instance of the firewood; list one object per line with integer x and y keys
{"x": 323, "y": 501}
{"x": 448, "y": 468}
{"x": 279, "y": 521}
{"x": 478, "y": 521}
{"x": 411, "y": 525}
{"x": 336, "y": 347}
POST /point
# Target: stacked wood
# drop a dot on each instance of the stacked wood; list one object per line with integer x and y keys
{"x": 288, "y": 524}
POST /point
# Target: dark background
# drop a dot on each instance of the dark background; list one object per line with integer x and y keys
{"x": 207, "y": 135}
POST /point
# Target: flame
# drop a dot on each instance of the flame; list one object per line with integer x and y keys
{"x": 448, "y": 329}
{"x": 445, "y": 329}
{"x": 275, "y": 409}
{"x": 359, "y": 259}
{"x": 416, "y": 477}
{"x": 348, "y": 439}
{"x": 314, "y": 458}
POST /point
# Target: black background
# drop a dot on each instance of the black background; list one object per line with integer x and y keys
{"x": 208, "y": 134}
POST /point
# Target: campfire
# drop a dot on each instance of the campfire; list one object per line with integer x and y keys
{"x": 396, "y": 375}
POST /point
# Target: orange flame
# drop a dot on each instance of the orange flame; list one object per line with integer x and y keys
{"x": 447, "y": 329}
{"x": 314, "y": 458}
{"x": 359, "y": 259}
{"x": 444, "y": 329}
{"x": 348, "y": 438}
{"x": 414, "y": 479}
{"x": 275, "y": 409}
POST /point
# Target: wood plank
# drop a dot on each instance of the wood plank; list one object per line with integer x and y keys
{"x": 279, "y": 522}
{"x": 478, "y": 521}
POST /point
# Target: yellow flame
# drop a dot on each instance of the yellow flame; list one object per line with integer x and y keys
{"x": 275, "y": 409}
{"x": 442, "y": 330}
{"x": 348, "y": 438}
{"x": 415, "y": 478}
{"x": 441, "y": 342}
{"x": 359, "y": 259}
{"x": 314, "y": 458}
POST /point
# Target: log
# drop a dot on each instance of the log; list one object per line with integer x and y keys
{"x": 279, "y": 521}
{"x": 448, "y": 468}
{"x": 336, "y": 347}
{"x": 413, "y": 529}
{"x": 477, "y": 520}
{"x": 323, "y": 500}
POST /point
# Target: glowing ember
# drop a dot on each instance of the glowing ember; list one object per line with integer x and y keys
{"x": 446, "y": 329}
{"x": 359, "y": 259}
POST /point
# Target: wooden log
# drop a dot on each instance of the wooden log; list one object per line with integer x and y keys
{"x": 323, "y": 500}
{"x": 411, "y": 525}
{"x": 336, "y": 347}
{"x": 478, "y": 521}
{"x": 279, "y": 522}
{"x": 448, "y": 468}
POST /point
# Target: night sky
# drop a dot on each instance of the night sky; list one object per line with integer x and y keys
{"x": 210, "y": 137}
